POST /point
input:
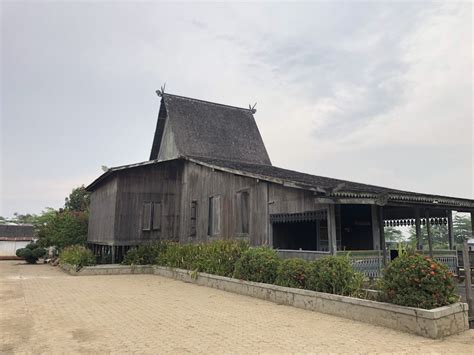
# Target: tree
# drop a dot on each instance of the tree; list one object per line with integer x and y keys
{"x": 63, "y": 229}
{"x": 461, "y": 227}
{"x": 439, "y": 236}
{"x": 78, "y": 200}
{"x": 393, "y": 235}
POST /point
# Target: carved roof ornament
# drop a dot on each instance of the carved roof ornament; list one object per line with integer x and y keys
{"x": 252, "y": 108}
{"x": 161, "y": 91}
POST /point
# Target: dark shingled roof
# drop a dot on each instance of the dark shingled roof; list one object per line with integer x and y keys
{"x": 207, "y": 129}
{"x": 323, "y": 186}
{"x": 16, "y": 232}
{"x": 328, "y": 186}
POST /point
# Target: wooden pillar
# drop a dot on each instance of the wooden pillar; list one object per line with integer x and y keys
{"x": 450, "y": 229}
{"x": 472, "y": 224}
{"x": 428, "y": 231}
{"x": 419, "y": 242}
{"x": 375, "y": 228}
{"x": 112, "y": 249}
{"x": 332, "y": 236}
{"x": 382, "y": 236}
{"x": 467, "y": 276}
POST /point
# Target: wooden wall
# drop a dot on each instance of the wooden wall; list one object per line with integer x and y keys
{"x": 200, "y": 183}
{"x": 102, "y": 213}
{"x": 152, "y": 183}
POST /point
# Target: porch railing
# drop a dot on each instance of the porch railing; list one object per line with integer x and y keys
{"x": 309, "y": 255}
{"x": 370, "y": 262}
{"x": 447, "y": 257}
{"x": 367, "y": 262}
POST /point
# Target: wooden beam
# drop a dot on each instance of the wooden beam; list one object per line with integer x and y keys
{"x": 332, "y": 229}
{"x": 450, "y": 229}
{"x": 428, "y": 230}
{"x": 375, "y": 228}
{"x": 345, "y": 201}
{"x": 419, "y": 242}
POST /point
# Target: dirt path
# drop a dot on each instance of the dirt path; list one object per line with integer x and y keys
{"x": 44, "y": 310}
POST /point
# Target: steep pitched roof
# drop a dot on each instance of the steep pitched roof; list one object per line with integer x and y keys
{"x": 191, "y": 127}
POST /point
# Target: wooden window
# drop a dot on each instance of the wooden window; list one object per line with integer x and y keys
{"x": 146, "y": 216}
{"x": 156, "y": 216}
{"x": 193, "y": 218}
{"x": 243, "y": 212}
{"x": 214, "y": 223}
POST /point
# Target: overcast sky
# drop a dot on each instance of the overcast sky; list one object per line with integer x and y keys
{"x": 376, "y": 93}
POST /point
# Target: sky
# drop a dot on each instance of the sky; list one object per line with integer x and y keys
{"x": 380, "y": 93}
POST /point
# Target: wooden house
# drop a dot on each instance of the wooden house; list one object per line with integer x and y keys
{"x": 209, "y": 176}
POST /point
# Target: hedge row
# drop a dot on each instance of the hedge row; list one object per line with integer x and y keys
{"x": 235, "y": 259}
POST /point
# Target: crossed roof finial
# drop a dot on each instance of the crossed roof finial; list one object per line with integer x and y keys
{"x": 161, "y": 91}
{"x": 252, "y": 108}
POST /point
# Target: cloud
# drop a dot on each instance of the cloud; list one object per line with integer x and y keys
{"x": 376, "y": 93}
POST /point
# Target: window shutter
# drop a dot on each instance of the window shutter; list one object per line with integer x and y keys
{"x": 214, "y": 225}
{"x": 146, "y": 217}
{"x": 217, "y": 215}
{"x": 157, "y": 216}
{"x": 243, "y": 212}
{"x": 193, "y": 218}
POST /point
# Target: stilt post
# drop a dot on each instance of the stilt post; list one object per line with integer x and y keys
{"x": 467, "y": 277}
{"x": 382, "y": 237}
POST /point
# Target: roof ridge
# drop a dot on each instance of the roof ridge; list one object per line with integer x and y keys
{"x": 208, "y": 102}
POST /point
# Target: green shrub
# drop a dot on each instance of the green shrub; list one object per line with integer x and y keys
{"x": 334, "y": 274}
{"x": 31, "y": 253}
{"x": 76, "y": 255}
{"x": 418, "y": 281}
{"x": 143, "y": 255}
{"x": 182, "y": 256}
{"x": 292, "y": 273}
{"x": 257, "y": 264}
{"x": 218, "y": 257}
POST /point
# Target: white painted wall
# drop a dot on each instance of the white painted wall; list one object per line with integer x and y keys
{"x": 9, "y": 247}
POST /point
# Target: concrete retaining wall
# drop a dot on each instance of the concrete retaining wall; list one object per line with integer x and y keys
{"x": 108, "y": 270}
{"x": 434, "y": 323}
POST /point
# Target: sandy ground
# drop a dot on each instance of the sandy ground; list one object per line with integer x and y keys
{"x": 43, "y": 310}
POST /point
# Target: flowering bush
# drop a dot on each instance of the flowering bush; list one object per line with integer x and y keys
{"x": 257, "y": 264}
{"x": 292, "y": 273}
{"x": 418, "y": 281}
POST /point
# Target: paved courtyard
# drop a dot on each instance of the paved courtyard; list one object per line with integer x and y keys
{"x": 45, "y": 310}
